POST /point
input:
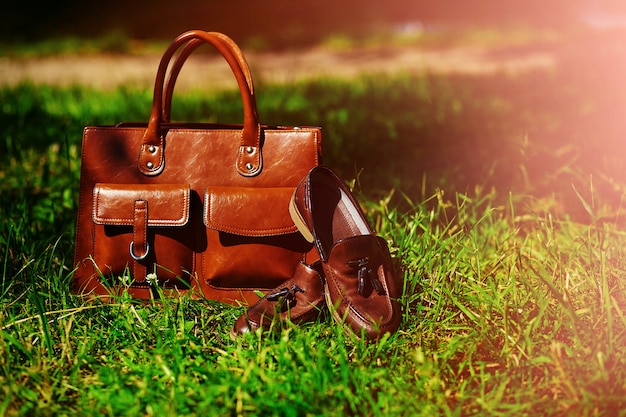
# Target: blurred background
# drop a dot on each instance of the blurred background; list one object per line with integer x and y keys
{"x": 287, "y": 22}
{"x": 524, "y": 97}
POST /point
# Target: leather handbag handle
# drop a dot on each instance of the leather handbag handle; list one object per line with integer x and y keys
{"x": 181, "y": 58}
{"x": 249, "y": 159}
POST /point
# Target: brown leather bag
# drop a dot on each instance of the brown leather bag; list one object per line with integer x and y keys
{"x": 189, "y": 206}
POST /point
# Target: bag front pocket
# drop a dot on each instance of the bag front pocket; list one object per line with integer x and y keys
{"x": 144, "y": 232}
{"x": 252, "y": 241}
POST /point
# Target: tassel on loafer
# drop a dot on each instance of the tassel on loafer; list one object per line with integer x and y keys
{"x": 300, "y": 300}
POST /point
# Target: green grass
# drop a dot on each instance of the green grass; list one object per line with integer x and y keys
{"x": 502, "y": 316}
{"x": 504, "y": 217}
{"x": 112, "y": 43}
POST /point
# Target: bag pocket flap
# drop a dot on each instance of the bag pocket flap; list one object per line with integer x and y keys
{"x": 168, "y": 204}
{"x": 249, "y": 211}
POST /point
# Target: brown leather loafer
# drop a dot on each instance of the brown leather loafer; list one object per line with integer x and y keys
{"x": 360, "y": 287}
{"x": 301, "y": 299}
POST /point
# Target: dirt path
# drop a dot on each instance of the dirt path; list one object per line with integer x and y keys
{"x": 207, "y": 71}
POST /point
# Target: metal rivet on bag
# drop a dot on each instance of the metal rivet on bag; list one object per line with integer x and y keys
{"x": 249, "y": 166}
{"x": 249, "y": 149}
{"x": 150, "y": 165}
{"x": 152, "y": 149}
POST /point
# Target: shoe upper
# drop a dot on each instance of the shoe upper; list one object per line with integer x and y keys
{"x": 361, "y": 287}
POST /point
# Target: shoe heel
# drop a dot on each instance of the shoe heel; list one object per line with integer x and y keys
{"x": 299, "y": 221}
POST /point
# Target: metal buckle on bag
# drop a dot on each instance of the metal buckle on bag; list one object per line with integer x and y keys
{"x": 142, "y": 257}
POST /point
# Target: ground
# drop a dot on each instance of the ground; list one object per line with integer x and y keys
{"x": 209, "y": 71}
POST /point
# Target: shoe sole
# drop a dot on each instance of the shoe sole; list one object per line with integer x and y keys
{"x": 299, "y": 221}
